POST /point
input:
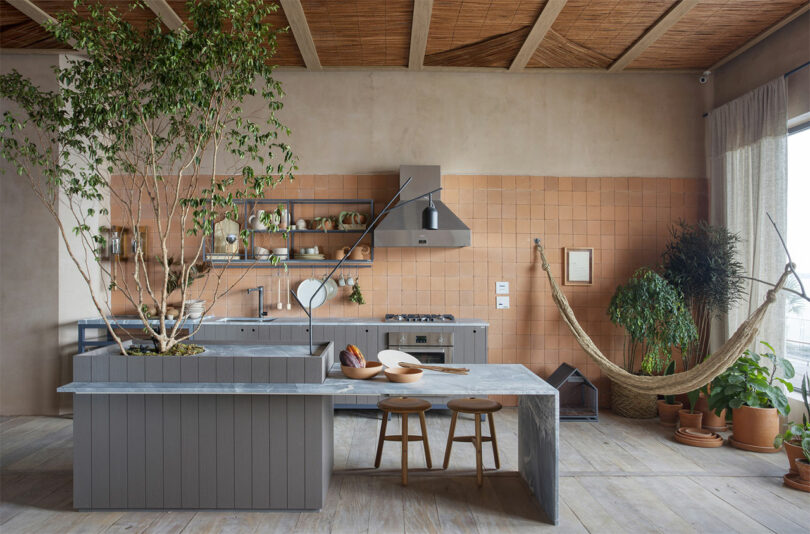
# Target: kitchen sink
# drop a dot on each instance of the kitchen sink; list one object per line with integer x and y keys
{"x": 247, "y": 320}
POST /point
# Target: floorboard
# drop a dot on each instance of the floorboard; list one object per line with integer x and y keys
{"x": 617, "y": 475}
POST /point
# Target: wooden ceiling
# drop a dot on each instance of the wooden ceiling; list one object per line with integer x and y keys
{"x": 514, "y": 35}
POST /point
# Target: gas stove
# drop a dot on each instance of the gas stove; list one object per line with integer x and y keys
{"x": 419, "y": 318}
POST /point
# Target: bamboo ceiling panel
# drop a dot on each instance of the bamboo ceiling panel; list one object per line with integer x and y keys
{"x": 476, "y": 33}
{"x": 138, "y": 17}
{"x": 712, "y": 30}
{"x": 593, "y": 33}
{"x": 360, "y": 32}
{"x": 287, "y": 53}
{"x": 19, "y": 31}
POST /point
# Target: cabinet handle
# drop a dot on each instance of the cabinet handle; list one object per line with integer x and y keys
{"x": 475, "y": 331}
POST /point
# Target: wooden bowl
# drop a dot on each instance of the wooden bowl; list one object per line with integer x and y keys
{"x": 403, "y": 375}
{"x": 361, "y": 373}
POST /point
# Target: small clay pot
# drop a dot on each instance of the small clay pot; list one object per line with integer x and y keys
{"x": 668, "y": 413}
{"x": 755, "y": 426}
{"x": 690, "y": 420}
{"x": 793, "y": 451}
{"x": 803, "y": 466}
{"x": 711, "y": 421}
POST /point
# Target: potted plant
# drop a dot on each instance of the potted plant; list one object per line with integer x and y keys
{"x": 795, "y": 434}
{"x": 803, "y": 463}
{"x": 140, "y": 121}
{"x": 751, "y": 390}
{"x": 702, "y": 262}
{"x": 691, "y": 418}
{"x": 323, "y": 223}
{"x": 668, "y": 408}
{"x": 654, "y": 316}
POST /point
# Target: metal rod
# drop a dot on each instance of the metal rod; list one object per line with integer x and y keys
{"x": 335, "y": 268}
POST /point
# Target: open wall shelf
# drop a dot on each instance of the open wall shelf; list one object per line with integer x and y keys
{"x": 297, "y": 209}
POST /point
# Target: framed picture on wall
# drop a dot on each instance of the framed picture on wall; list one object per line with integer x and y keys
{"x": 578, "y": 266}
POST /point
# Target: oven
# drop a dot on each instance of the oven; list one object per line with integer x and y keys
{"x": 427, "y": 347}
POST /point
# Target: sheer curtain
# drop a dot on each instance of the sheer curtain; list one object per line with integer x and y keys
{"x": 748, "y": 180}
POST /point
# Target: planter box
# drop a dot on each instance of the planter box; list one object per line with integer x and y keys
{"x": 198, "y": 451}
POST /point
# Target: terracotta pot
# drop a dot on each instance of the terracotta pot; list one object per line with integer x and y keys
{"x": 668, "y": 413}
{"x": 690, "y": 420}
{"x": 711, "y": 421}
{"x": 803, "y": 467}
{"x": 793, "y": 451}
{"x": 755, "y": 426}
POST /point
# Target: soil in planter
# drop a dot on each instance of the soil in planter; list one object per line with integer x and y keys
{"x": 181, "y": 349}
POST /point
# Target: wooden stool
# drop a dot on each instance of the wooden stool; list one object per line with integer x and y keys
{"x": 403, "y": 406}
{"x": 476, "y": 407}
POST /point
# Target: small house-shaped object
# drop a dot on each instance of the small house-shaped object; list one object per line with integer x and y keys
{"x": 579, "y": 398}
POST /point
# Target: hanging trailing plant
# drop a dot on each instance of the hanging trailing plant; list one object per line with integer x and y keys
{"x": 357, "y": 295}
{"x": 701, "y": 261}
{"x": 655, "y": 318}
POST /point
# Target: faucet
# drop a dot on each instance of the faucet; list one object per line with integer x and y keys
{"x": 260, "y": 289}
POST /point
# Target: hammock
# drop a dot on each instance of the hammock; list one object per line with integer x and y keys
{"x": 690, "y": 380}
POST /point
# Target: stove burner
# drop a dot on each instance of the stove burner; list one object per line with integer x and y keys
{"x": 419, "y": 318}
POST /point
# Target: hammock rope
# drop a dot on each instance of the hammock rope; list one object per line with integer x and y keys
{"x": 694, "y": 378}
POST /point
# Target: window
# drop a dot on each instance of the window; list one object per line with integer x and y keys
{"x": 797, "y": 313}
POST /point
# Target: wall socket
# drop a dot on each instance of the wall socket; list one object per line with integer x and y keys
{"x": 501, "y": 288}
{"x": 501, "y": 303}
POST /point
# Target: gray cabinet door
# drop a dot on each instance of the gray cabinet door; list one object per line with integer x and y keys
{"x": 480, "y": 337}
{"x": 367, "y": 336}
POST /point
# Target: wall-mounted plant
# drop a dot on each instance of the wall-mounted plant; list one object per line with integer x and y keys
{"x": 357, "y": 295}
{"x": 155, "y": 111}
{"x": 701, "y": 261}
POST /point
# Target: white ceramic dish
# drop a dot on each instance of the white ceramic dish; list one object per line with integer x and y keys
{"x": 306, "y": 289}
{"x": 331, "y": 288}
{"x": 391, "y": 358}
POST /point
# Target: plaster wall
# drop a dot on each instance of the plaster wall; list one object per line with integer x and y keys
{"x": 780, "y": 53}
{"x": 555, "y": 124}
{"x": 29, "y": 312}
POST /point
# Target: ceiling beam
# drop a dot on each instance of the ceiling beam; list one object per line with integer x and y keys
{"x": 420, "y": 25}
{"x": 300, "y": 29}
{"x": 166, "y": 14}
{"x": 541, "y": 27}
{"x": 29, "y": 9}
{"x": 653, "y": 34}
{"x": 762, "y": 36}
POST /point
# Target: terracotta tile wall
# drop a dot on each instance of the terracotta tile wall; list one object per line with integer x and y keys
{"x": 626, "y": 221}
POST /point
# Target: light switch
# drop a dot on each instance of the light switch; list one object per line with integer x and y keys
{"x": 502, "y": 303}
{"x": 501, "y": 288}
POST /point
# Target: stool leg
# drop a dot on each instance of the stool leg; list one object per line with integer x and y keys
{"x": 425, "y": 440}
{"x": 479, "y": 472}
{"x": 450, "y": 440}
{"x": 494, "y": 441}
{"x": 381, "y": 441}
{"x": 404, "y": 449}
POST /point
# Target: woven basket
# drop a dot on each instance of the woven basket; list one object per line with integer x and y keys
{"x": 628, "y": 403}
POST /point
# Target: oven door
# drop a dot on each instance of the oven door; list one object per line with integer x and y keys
{"x": 427, "y": 355}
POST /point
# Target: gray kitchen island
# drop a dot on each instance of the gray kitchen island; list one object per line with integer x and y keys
{"x": 267, "y": 443}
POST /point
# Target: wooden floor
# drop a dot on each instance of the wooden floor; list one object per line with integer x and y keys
{"x": 618, "y": 475}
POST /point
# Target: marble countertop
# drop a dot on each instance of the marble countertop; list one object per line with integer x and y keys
{"x": 134, "y": 321}
{"x": 484, "y": 379}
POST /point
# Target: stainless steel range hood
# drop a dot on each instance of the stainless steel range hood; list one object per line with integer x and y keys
{"x": 403, "y": 227}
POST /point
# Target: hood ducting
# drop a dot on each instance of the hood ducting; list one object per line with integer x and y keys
{"x": 403, "y": 226}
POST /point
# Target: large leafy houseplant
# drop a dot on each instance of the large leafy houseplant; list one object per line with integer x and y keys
{"x": 653, "y": 314}
{"x": 701, "y": 261}
{"x": 146, "y": 120}
{"x": 750, "y": 383}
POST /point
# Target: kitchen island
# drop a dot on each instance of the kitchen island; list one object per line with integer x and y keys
{"x": 538, "y": 429}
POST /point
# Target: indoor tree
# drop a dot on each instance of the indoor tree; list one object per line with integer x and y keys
{"x": 154, "y": 112}
{"x": 701, "y": 261}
